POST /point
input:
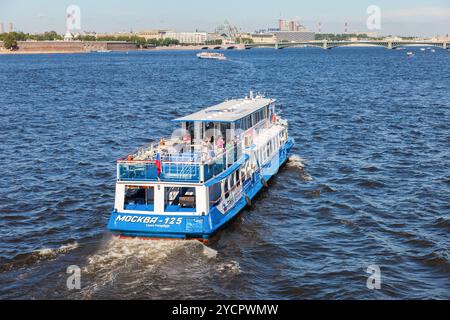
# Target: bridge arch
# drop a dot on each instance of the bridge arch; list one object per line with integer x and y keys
{"x": 302, "y": 46}
{"x": 262, "y": 45}
{"x": 333, "y": 44}
{"x": 371, "y": 44}
{"x": 396, "y": 45}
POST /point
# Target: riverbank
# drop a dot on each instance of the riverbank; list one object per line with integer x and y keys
{"x": 38, "y": 52}
{"x": 48, "y": 47}
{"x": 45, "y": 47}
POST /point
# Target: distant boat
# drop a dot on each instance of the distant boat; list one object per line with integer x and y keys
{"x": 103, "y": 51}
{"x": 409, "y": 54}
{"x": 432, "y": 50}
{"x": 422, "y": 49}
{"x": 211, "y": 55}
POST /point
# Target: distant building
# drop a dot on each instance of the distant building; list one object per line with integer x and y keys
{"x": 264, "y": 38}
{"x": 152, "y": 34}
{"x": 115, "y": 34}
{"x": 290, "y": 25}
{"x": 11, "y": 27}
{"x": 1, "y": 27}
{"x": 294, "y": 36}
{"x": 68, "y": 36}
{"x": 188, "y": 37}
{"x": 287, "y": 31}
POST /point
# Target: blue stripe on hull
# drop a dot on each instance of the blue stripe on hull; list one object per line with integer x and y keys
{"x": 182, "y": 227}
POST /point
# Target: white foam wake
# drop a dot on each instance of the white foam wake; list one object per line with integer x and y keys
{"x": 297, "y": 162}
{"x": 53, "y": 252}
{"x": 138, "y": 259}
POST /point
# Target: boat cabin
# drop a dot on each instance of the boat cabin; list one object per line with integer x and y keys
{"x": 183, "y": 174}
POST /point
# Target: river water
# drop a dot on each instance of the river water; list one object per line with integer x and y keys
{"x": 368, "y": 182}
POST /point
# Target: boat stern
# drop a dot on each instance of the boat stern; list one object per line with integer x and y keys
{"x": 159, "y": 226}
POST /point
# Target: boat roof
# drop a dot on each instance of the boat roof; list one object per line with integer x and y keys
{"x": 228, "y": 111}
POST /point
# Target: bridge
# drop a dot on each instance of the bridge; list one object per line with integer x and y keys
{"x": 326, "y": 44}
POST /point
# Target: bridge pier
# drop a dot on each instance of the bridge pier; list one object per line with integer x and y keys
{"x": 390, "y": 45}
{"x": 445, "y": 45}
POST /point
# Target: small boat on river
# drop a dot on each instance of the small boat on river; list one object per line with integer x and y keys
{"x": 211, "y": 55}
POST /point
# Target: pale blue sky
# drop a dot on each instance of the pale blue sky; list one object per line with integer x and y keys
{"x": 406, "y": 17}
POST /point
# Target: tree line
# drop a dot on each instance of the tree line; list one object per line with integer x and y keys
{"x": 10, "y": 39}
{"x": 344, "y": 36}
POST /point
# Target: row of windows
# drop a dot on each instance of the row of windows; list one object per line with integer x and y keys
{"x": 218, "y": 190}
{"x": 268, "y": 149}
{"x": 252, "y": 119}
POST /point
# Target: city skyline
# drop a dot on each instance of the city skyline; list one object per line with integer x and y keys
{"x": 415, "y": 17}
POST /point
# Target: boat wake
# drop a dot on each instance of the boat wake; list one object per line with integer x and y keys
{"x": 297, "y": 162}
{"x": 48, "y": 253}
{"x": 139, "y": 265}
{"x": 30, "y": 258}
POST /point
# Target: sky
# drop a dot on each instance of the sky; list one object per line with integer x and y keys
{"x": 399, "y": 17}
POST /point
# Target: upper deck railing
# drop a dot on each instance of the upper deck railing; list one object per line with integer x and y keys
{"x": 195, "y": 166}
{"x": 185, "y": 162}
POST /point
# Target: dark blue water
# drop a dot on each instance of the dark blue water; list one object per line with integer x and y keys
{"x": 368, "y": 184}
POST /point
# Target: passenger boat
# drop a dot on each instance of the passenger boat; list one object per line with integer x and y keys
{"x": 211, "y": 55}
{"x": 191, "y": 185}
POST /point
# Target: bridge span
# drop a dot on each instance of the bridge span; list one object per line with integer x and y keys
{"x": 325, "y": 44}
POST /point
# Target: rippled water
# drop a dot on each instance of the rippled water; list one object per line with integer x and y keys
{"x": 369, "y": 182}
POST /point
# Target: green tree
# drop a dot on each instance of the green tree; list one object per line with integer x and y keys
{"x": 141, "y": 42}
{"x": 10, "y": 42}
{"x": 243, "y": 40}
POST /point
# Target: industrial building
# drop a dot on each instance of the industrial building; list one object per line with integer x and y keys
{"x": 294, "y": 36}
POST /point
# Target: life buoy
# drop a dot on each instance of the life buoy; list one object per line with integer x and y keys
{"x": 274, "y": 117}
{"x": 130, "y": 157}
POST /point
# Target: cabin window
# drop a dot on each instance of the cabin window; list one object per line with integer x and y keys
{"x": 178, "y": 199}
{"x": 141, "y": 198}
{"x": 224, "y": 127}
{"x": 190, "y": 129}
{"x": 226, "y": 188}
{"x": 215, "y": 193}
{"x": 258, "y": 116}
{"x": 246, "y": 123}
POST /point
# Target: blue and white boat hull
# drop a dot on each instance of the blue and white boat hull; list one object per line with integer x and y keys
{"x": 186, "y": 226}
